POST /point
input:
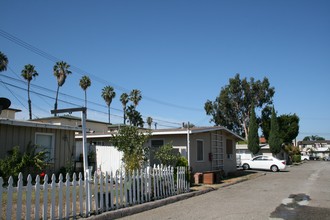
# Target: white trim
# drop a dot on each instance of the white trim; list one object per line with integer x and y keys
{"x": 52, "y": 153}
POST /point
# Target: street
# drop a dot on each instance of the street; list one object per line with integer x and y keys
{"x": 299, "y": 192}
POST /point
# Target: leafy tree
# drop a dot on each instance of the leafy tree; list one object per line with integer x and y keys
{"x": 167, "y": 156}
{"x": 149, "y": 122}
{"x": 124, "y": 100}
{"x": 134, "y": 117}
{"x": 294, "y": 153}
{"x": 135, "y": 97}
{"x": 253, "y": 138}
{"x": 61, "y": 71}
{"x": 3, "y": 62}
{"x": 313, "y": 138}
{"x": 84, "y": 83}
{"x": 108, "y": 94}
{"x": 288, "y": 127}
{"x": 265, "y": 121}
{"x": 275, "y": 142}
{"x": 131, "y": 142}
{"x": 233, "y": 105}
{"x": 28, "y": 73}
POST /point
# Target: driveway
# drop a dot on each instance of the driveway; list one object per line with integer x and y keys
{"x": 300, "y": 192}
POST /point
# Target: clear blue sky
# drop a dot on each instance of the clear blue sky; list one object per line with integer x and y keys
{"x": 178, "y": 53}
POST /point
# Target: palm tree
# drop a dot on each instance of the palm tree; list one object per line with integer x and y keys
{"x": 149, "y": 122}
{"x": 61, "y": 71}
{"x": 3, "y": 62}
{"x": 108, "y": 94}
{"x": 84, "y": 83}
{"x": 124, "y": 101}
{"x": 28, "y": 73}
{"x": 135, "y": 97}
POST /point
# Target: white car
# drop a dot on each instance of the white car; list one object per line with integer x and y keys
{"x": 264, "y": 163}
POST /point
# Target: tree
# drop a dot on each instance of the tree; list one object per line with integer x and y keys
{"x": 265, "y": 121}
{"x": 28, "y": 73}
{"x": 61, "y": 71}
{"x": 167, "y": 156}
{"x": 124, "y": 100}
{"x": 134, "y": 117}
{"x": 84, "y": 83}
{"x": 135, "y": 97}
{"x": 149, "y": 122}
{"x": 3, "y": 62}
{"x": 288, "y": 127}
{"x": 131, "y": 142}
{"x": 275, "y": 142}
{"x": 238, "y": 97}
{"x": 108, "y": 94}
{"x": 253, "y": 138}
{"x": 313, "y": 138}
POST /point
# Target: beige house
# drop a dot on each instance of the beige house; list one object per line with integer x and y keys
{"x": 58, "y": 140}
{"x": 206, "y": 148}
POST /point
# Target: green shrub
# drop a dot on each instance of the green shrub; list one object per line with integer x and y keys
{"x": 296, "y": 158}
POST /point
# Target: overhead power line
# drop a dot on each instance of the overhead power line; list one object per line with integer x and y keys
{"x": 78, "y": 70}
{"x": 6, "y": 84}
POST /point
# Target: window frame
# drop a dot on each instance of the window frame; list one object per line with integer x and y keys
{"x": 51, "y": 156}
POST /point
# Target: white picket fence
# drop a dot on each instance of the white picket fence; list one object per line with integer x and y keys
{"x": 58, "y": 199}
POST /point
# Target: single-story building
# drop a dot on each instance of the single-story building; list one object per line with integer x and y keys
{"x": 206, "y": 148}
{"x": 319, "y": 148}
{"x": 57, "y": 140}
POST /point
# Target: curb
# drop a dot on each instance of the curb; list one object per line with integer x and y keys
{"x": 123, "y": 212}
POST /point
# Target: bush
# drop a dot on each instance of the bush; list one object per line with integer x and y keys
{"x": 296, "y": 158}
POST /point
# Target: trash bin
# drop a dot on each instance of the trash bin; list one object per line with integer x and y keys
{"x": 208, "y": 177}
{"x": 198, "y": 178}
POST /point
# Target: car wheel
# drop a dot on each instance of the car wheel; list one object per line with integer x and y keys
{"x": 246, "y": 166}
{"x": 274, "y": 168}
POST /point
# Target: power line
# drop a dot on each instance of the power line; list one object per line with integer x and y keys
{"x": 6, "y": 84}
{"x": 78, "y": 70}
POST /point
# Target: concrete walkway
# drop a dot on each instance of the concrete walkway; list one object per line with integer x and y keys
{"x": 195, "y": 191}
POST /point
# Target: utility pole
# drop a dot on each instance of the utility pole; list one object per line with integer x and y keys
{"x": 87, "y": 174}
{"x": 188, "y": 144}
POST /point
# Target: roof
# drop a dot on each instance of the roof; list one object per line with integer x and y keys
{"x": 175, "y": 131}
{"x": 36, "y": 124}
{"x": 194, "y": 130}
{"x": 70, "y": 117}
{"x": 313, "y": 142}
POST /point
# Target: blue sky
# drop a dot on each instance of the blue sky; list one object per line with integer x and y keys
{"x": 178, "y": 53}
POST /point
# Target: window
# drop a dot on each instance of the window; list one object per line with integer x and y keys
{"x": 229, "y": 148}
{"x": 157, "y": 143}
{"x": 46, "y": 142}
{"x": 200, "y": 150}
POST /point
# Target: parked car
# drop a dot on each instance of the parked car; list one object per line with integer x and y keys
{"x": 313, "y": 157}
{"x": 263, "y": 162}
{"x": 326, "y": 158}
{"x": 305, "y": 157}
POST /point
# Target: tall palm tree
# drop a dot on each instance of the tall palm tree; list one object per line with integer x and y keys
{"x": 61, "y": 71}
{"x": 28, "y": 73}
{"x": 149, "y": 122}
{"x": 108, "y": 94}
{"x": 84, "y": 83}
{"x": 3, "y": 62}
{"x": 135, "y": 97}
{"x": 124, "y": 101}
